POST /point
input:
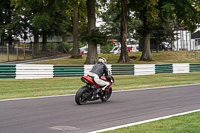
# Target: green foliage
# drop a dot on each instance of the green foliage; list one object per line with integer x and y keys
{"x": 63, "y": 47}
{"x": 18, "y": 17}
{"x": 112, "y": 19}
{"x": 159, "y": 13}
{"x": 146, "y": 10}
{"x": 82, "y": 17}
{"x": 81, "y": 44}
{"x": 67, "y": 47}
{"x": 42, "y": 21}
{"x": 182, "y": 13}
{"x": 49, "y": 16}
{"x": 52, "y": 17}
{"x": 99, "y": 37}
{"x": 10, "y": 23}
{"x": 151, "y": 12}
{"x": 52, "y": 46}
{"x": 105, "y": 49}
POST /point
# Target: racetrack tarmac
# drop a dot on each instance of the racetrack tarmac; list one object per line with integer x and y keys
{"x": 63, "y": 115}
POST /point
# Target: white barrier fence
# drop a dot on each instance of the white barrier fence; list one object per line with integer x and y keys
{"x": 34, "y": 71}
{"x": 144, "y": 69}
{"x": 29, "y": 71}
{"x": 181, "y": 68}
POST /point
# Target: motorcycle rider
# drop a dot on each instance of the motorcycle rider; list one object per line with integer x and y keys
{"x": 98, "y": 70}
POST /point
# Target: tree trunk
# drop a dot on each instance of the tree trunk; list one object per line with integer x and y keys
{"x": 124, "y": 58}
{"x": 92, "y": 56}
{"x": 36, "y": 42}
{"x": 44, "y": 41}
{"x": 76, "y": 51}
{"x": 2, "y": 31}
{"x": 9, "y": 30}
{"x": 2, "y": 39}
{"x": 10, "y": 39}
{"x": 146, "y": 55}
{"x": 64, "y": 38}
{"x": 157, "y": 47}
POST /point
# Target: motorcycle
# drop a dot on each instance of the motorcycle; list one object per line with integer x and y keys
{"x": 92, "y": 91}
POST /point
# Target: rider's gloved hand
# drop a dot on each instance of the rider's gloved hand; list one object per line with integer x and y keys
{"x": 111, "y": 81}
{"x": 108, "y": 78}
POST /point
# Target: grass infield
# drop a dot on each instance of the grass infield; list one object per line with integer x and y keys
{"x": 21, "y": 88}
{"x": 189, "y": 123}
{"x": 162, "y": 57}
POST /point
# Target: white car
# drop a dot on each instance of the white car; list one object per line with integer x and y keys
{"x": 117, "y": 49}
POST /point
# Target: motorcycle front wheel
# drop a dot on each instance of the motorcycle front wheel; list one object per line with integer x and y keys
{"x": 106, "y": 95}
{"x": 81, "y": 95}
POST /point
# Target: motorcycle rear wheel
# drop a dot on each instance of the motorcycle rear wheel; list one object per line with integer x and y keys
{"x": 106, "y": 95}
{"x": 81, "y": 95}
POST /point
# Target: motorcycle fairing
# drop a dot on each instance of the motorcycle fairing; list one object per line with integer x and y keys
{"x": 89, "y": 80}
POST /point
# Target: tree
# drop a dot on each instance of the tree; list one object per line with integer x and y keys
{"x": 111, "y": 16}
{"x": 115, "y": 22}
{"x": 8, "y": 22}
{"x": 124, "y": 58}
{"x": 92, "y": 56}
{"x": 75, "y": 52}
{"x": 5, "y": 18}
{"x": 150, "y": 12}
{"x": 47, "y": 18}
{"x": 185, "y": 12}
{"x": 30, "y": 9}
{"x": 147, "y": 12}
{"x": 78, "y": 12}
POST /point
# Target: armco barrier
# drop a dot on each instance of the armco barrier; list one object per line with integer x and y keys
{"x": 122, "y": 69}
{"x": 194, "y": 67}
{"x": 163, "y": 68}
{"x": 68, "y": 70}
{"x": 30, "y": 71}
{"x": 7, "y": 71}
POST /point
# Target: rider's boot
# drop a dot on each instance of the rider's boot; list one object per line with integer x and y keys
{"x": 101, "y": 90}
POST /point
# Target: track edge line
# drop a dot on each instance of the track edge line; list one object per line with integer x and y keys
{"x": 145, "y": 121}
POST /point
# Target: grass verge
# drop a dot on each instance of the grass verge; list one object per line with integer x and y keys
{"x": 20, "y": 88}
{"x": 162, "y": 57}
{"x": 13, "y": 57}
{"x": 179, "y": 124}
